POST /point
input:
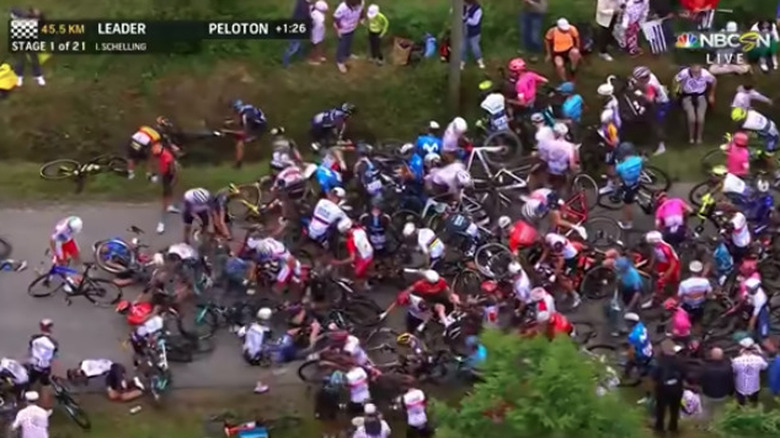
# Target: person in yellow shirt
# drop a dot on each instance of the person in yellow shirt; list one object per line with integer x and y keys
{"x": 377, "y": 28}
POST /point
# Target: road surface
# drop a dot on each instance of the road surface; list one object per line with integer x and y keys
{"x": 85, "y": 331}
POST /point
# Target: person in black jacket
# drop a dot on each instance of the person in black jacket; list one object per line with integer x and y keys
{"x": 716, "y": 381}
{"x": 668, "y": 376}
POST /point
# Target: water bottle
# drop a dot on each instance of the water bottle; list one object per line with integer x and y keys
{"x": 430, "y": 45}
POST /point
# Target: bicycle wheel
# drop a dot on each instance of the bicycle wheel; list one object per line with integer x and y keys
{"x": 587, "y": 186}
{"x": 598, "y": 283}
{"x": 312, "y": 371}
{"x": 49, "y": 282}
{"x": 698, "y": 192}
{"x": 583, "y": 332}
{"x": 60, "y": 169}
{"x": 603, "y": 231}
{"x": 5, "y": 249}
{"x": 113, "y": 163}
{"x": 102, "y": 292}
{"x": 362, "y": 312}
{"x": 71, "y": 406}
{"x": 511, "y": 146}
{"x": 655, "y": 179}
{"x": 402, "y": 217}
{"x": 202, "y": 326}
{"x": 238, "y": 202}
{"x": 467, "y": 281}
{"x": 715, "y": 157}
{"x": 611, "y": 201}
{"x": 493, "y": 259}
{"x": 113, "y": 256}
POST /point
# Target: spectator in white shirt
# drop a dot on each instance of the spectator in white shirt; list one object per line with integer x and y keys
{"x": 345, "y": 20}
{"x": 747, "y": 372}
{"x": 373, "y": 426}
{"x": 317, "y": 32}
{"x": 698, "y": 89}
{"x": 729, "y": 53}
{"x": 33, "y": 420}
{"x": 745, "y": 96}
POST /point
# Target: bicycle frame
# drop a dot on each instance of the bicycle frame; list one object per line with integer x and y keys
{"x": 517, "y": 184}
{"x": 477, "y": 153}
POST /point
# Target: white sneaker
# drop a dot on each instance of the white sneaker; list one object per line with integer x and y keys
{"x": 138, "y": 383}
{"x": 647, "y": 304}
{"x": 481, "y": 64}
{"x": 577, "y": 301}
{"x": 775, "y": 64}
{"x": 19, "y": 81}
{"x": 626, "y": 225}
{"x": 260, "y": 388}
{"x": 172, "y": 209}
{"x": 160, "y": 228}
{"x": 606, "y": 57}
{"x": 609, "y": 188}
{"x": 40, "y": 80}
{"x": 462, "y": 65}
{"x": 661, "y": 149}
{"x": 130, "y": 174}
{"x": 764, "y": 66}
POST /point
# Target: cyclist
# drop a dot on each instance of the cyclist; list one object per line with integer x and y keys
{"x": 521, "y": 234}
{"x": 251, "y": 121}
{"x": 521, "y": 287}
{"x": 573, "y": 104}
{"x": 197, "y": 202}
{"x": 629, "y": 170}
{"x": 639, "y": 346}
{"x": 607, "y": 93}
{"x": 454, "y": 139}
{"x": 377, "y": 224}
{"x": 361, "y": 253}
{"x": 723, "y": 261}
{"x": 753, "y": 121}
{"x": 745, "y": 96}
{"x": 329, "y": 125}
{"x": 630, "y": 285}
{"x": 524, "y": 95}
{"x": 118, "y": 388}
{"x": 15, "y": 375}
{"x": 272, "y": 253}
{"x": 495, "y": 106}
{"x": 289, "y": 187}
{"x": 427, "y": 242}
{"x": 63, "y": 241}
{"x": 738, "y": 230}
{"x": 542, "y": 202}
{"x": 759, "y": 322}
{"x": 448, "y": 181}
{"x": 284, "y": 152}
{"x": 666, "y": 263}
{"x": 367, "y": 172}
{"x": 559, "y": 155}
{"x": 255, "y": 336}
{"x": 42, "y": 352}
{"x": 563, "y": 256}
{"x": 429, "y": 142}
{"x": 436, "y": 292}
{"x": 738, "y": 155}
{"x": 694, "y": 290}
{"x": 552, "y": 324}
{"x": 415, "y": 402}
{"x": 327, "y": 213}
{"x": 417, "y": 310}
{"x": 328, "y": 178}
{"x": 219, "y": 215}
{"x": 670, "y": 215}
{"x": 413, "y": 176}
{"x": 142, "y": 141}
{"x": 462, "y": 229}
{"x": 608, "y": 132}
{"x": 167, "y": 169}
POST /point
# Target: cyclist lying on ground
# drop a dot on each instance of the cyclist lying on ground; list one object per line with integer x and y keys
{"x": 118, "y": 388}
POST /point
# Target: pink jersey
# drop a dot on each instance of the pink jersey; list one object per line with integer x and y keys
{"x": 681, "y": 323}
{"x": 525, "y": 87}
{"x": 737, "y": 160}
{"x": 671, "y": 213}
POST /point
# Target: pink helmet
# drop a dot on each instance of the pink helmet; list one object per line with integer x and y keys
{"x": 741, "y": 139}
{"x": 516, "y": 65}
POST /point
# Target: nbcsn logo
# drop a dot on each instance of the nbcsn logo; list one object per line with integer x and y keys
{"x": 723, "y": 40}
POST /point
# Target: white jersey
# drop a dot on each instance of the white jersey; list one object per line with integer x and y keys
{"x": 254, "y": 339}
{"x": 62, "y": 232}
{"x": 450, "y": 141}
{"x": 741, "y": 234}
{"x": 547, "y": 304}
{"x": 521, "y": 287}
{"x": 735, "y": 185}
{"x": 447, "y": 176}
{"x": 194, "y": 204}
{"x": 429, "y": 243}
{"x": 17, "y": 370}
{"x": 758, "y": 300}
{"x": 353, "y": 348}
{"x": 326, "y": 213}
{"x": 357, "y": 382}
{"x": 414, "y": 404}
{"x": 558, "y": 154}
{"x": 568, "y": 252}
{"x": 359, "y": 238}
{"x": 278, "y": 254}
{"x": 693, "y": 291}
{"x": 544, "y": 133}
{"x": 415, "y": 310}
{"x": 42, "y": 352}
{"x": 290, "y": 176}
{"x": 384, "y": 431}
{"x": 150, "y": 326}
{"x": 95, "y": 367}
{"x": 755, "y": 121}
{"x": 183, "y": 251}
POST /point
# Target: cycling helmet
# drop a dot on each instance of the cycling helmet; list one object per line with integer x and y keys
{"x": 459, "y": 125}
{"x": 504, "y": 221}
{"x": 348, "y": 108}
{"x": 237, "y": 104}
{"x": 75, "y": 224}
{"x": 561, "y": 129}
{"x": 670, "y": 304}
{"x": 409, "y": 229}
{"x": 537, "y": 118}
{"x": 654, "y": 237}
{"x": 344, "y": 225}
{"x": 641, "y": 72}
{"x": 762, "y": 185}
{"x": 338, "y": 192}
{"x": 264, "y": 247}
{"x": 404, "y": 339}
{"x": 264, "y": 314}
{"x": 406, "y": 150}
{"x": 752, "y": 284}
{"x": 625, "y": 149}
{"x": 530, "y": 210}
{"x": 432, "y": 159}
{"x": 163, "y": 122}
{"x": 514, "y": 268}
{"x": 516, "y": 65}
{"x": 199, "y": 196}
{"x": 607, "y": 116}
{"x": 431, "y": 276}
{"x": 464, "y": 178}
{"x": 738, "y": 114}
{"x": 695, "y": 267}
{"x": 364, "y": 148}
{"x": 538, "y": 294}
{"x": 740, "y": 139}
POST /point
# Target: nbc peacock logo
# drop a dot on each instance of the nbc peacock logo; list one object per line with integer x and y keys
{"x": 688, "y": 41}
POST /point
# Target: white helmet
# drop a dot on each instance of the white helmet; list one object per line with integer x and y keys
{"x": 75, "y": 224}
{"x": 529, "y": 209}
{"x": 339, "y": 192}
{"x": 264, "y": 247}
{"x": 459, "y": 125}
{"x": 431, "y": 276}
{"x": 344, "y": 225}
{"x": 762, "y": 185}
{"x": 561, "y": 129}
{"x": 264, "y": 314}
{"x": 514, "y": 268}
{"x": 504, "y": 221}
{"x": 605, "y": 90}
{"x": 409, "y": 229}
{"x": 607, "y": 116}
{"x": 158, "y": 259}
{"x": 732, "y": 26}
{"x": 432, "y": 159}
{"x": 407, "y": 148}
{"x": 538, "y": 294}
{"x": 654, "y": 237}
{"x": 199, "y": 196}
{"x": 463, "y": 178}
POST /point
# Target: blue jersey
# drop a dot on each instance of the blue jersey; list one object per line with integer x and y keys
{"x": 369, "y": 176}
{"x": 572, "y": 107}
{"x": 630, "y": 169}
{"x": 477, "y": 358}
{"x": 417, "y": 167}
{"x": 329, "y": 119}
{"x": 252, "y": 118}
{"x": 724, "y": 262}
{"x": 639, "y": 339}
{"x": 630, "y": 279}
{"x": 428, "y": 144}
{"x": 328, "y": 178}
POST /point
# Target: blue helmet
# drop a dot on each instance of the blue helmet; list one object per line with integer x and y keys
{"x": 237, "y": 104}
{"x": 622, "y": 264}
{"x": 625, "y": 149}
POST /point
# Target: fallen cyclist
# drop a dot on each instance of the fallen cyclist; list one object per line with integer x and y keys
{"x": 118, "y": 387}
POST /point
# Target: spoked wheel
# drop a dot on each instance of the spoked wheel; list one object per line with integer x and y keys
{"x": 203, "y": 326}
{"x": 45, "y": 285}
{"x": 699, "y": 191}
{"x": 511, "y": 148}
{"x": 493, "y": 259}
{"x": 314, "y": 371}
{"x": 467, "y": 281}
{"x": 5, "y": 249}
{"x": 402, "y": 217}
{"x": 237, "y": 206}
{"x": 71, "y": 406}
{"x": 655, "y": 179}
{"x": 603, "y": 231}
{"x": 113, "y": 256}
{"x": 115, "y": 164}
{"x": 60, "y": 169}
{"x": 102, "y": 292}
{"x": 583, "y": 183}
{"x": 712, "y": 159}
{"x": 599, "y": 282}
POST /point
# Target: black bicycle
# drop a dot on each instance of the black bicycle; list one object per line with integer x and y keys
{"x": 99, "y": 291}
{"x": 77, "y": 171}
{"x": 68, "y": 402}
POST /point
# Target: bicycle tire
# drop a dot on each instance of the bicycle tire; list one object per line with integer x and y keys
{"x": 205, "y": 323}
{"x": 596, "y": 277}
{"x": 610, "y": 201}
{"x": 101, "y": 261}
{"x": 693, "y": 195}
{"x": 467, "y": 281}
{"x": 587, "y": 185}
{"x": 41, "y": 278}
{"x": 56, "y": 170}
{"x": 97, "y": 291}
{"x": 249, "y": 193}
{"x": 655, "y": 179}
{"x": 77, "y": 414}
{"x": 362, "y": 312}
{"x": 513, "y": 145}
{"x": 402, "y": 217}
{"x": 311, "y": 371}
{"x": 603, "y": 231}
{"x": 715, "y": 157}
{"x": 584, "y": 331}
{"x": 113, "y": 163}
{"x": 488, "y": 254}
{"x": 5, "y": 249}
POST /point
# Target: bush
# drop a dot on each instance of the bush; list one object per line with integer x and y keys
{"x": 540, "y": 389}
{"x": 747, "y": 422}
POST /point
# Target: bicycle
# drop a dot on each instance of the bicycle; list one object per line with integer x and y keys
{"x": 68, "y": 402}
{"x": 99, "y": 291}
{"x": 717, "y": 157}
{"x": 652, "y": 180}
{"x": 66, "y": 168}
{"x": 116, "y": 255}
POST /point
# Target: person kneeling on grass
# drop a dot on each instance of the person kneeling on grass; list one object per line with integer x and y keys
{"x": 118, "y": 388}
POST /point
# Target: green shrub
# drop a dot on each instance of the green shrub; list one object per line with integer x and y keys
{"x": 747, "y": 422}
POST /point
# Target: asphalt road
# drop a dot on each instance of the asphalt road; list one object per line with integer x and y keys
{"x": 85, "y": 331}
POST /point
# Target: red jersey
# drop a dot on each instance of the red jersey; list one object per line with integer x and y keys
{"x": 423, "y": 288}
{"x": 358, "y": 244}
{"x": 521, "y": 235}
{"x": 559, "y": 325}
{"x": 165, "y": 162}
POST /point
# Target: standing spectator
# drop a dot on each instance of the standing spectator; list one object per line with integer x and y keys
{"x": 562, "y": 45}
{"x": 32, "y": 419}
{"x": 377, "y": 28}
{"x": 669, "y": 376}
{"x": 167, "y": 170}
{"x": 472, "y": 22}
{"x": 606, "y": 16}
{"x": 634, "y": 15}
{"x": 716, "y": 381}
{"x": 23, "y": 58}
{"x": 663, "y": 10}
{"x": 317, "y": 32}
{"x": 747, "y": 372}
{"x": 345, "y": 20}
{"x": 302, "y": 11}
{"x": 531, "y": 25}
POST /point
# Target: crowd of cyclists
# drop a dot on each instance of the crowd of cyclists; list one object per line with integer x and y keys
{"x": 400, "y": 212}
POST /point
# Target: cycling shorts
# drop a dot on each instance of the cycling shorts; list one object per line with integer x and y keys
{"x": 70, "y": 250}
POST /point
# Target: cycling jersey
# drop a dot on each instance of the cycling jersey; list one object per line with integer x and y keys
{"x": 544, "y": 133}
{"x": 558, "y": 154}
{"x": 332, "y": 118}
{"x": 628, "y": 276}
{"x": 495, "y": 105}
{"x": 630, "y": 170}
{"x": 429, "y": 243}
{"x": 289, "y": 178}
{"x": 525, "y": 87}
{"x": 459, "y": 225}
{"x": 281, "y": 160}
{"x": 546, "y": 304}
{"x": 414, "y": 405}
{"x": 183, "y": 251}
{"x": 15, "y": 371}
{"x": 613, "y": 105}
{"x": 414, "y": 305}
{"x": 521, "y": 236}
{"x": 665, "y": 256}
{"x": 447, "y": 176}
{"x": 358, "y": 244}
{"x": 42, "y": 350}
{"x": 327, "y": 178}
{"x": 559, "y": 325}
{"x": 428, "y": 144}
{"x": 353, "y": 348}
{"x": 149, "y": 327}
{"x": 95, "y": 367}
{"x": 416, "y": 166}
{"x": 521, "y": 287}
{"x": 758, "y": 300}
{"x": 734, "y": 185}
{"x": 740, "y": 236}
{"x": 357, "y": 382}
{"x": 254, "y": 339}
{"x": 252, "y": 119}
{"x": 450, "y": 141}
{"x": 326, "y": 213}
{"x": 755, "y": 121}
{"x": 572, "y": 108}
{"x": 693, "y": 291}
{"x": 278, "y": 254}
{"x": 539, "y": 199}
{"x": 724, "y": 262}
{"x": 609, "y": 132}
{"x": 640, "y": 341}
{"x": 62, "y": 232}
{"x": 568, "y": 252}
{"x": 681, "y": 323}
{"x": 193, "y": 205}
{"x": 144, "y": 138}
{"x": 376, "y": 226}
{"x": 424, "y": 289}
{"x": 671, "y": 214}
{"x": 369, "y": 176}
{"x": 738, "y": 160}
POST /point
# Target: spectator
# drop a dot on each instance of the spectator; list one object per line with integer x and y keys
{"x": 698, "y": 90}
{"x": 634, "y": 15}
{"x": 730, "y": 53}
{"x": 472, "y": 31}
{"x": 663, "y": 10}
{"x": 531, "y": 25}
{"x": 302, "y": 11}
{"x": 23, "y": 58}
{"x": 32, "y": 419}
{"x": 747, "y": 372}
{"x": 346, "y": 18}
{"x": 562, "y": 45}
{"x": 716, "y": 381}
{"x": 377, "y": 28}
{"x": 669, "y": 376}
{"x": 606, "y": 16}
{"x": 317, "y": 32}
{"x": 766, "y": 56}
